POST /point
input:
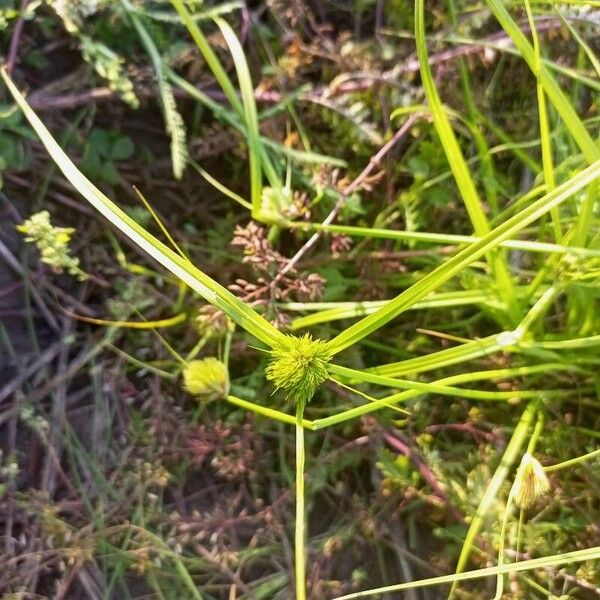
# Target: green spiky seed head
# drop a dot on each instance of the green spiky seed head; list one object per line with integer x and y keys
{"x": 207, "y": 378}
{"x": 299, "y": 367}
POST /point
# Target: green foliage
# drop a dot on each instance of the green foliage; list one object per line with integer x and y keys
{"x": 12, "y": 133}
{"x": 502, "y": 292}
{"x": 397, "y": 470}
{"x": 103, "y": 149}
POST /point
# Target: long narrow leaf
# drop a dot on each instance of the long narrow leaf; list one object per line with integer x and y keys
{"x": 209, "y": 289}
{"x": 463, "y": 258}
{"x": 458, "y": 165}
{"x": 209, "y": 56}
{"x": 250, "y": 113}
{"x": 518, "y": 567}
{"x": 441, "y": 238}
{"x": 555, "y": 94}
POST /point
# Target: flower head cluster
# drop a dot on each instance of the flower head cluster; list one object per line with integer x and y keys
{"x": 267, "y": 263}
{"x": 206, "y": 378}
{"x": 109, "y": 66}
{"x": 52, "y": 242}
{"x": 299, "y": 367}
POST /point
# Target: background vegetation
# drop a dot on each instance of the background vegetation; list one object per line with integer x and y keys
{"x": 413, "y": 185}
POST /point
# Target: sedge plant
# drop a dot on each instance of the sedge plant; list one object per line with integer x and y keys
{"x": 299, "y": 365}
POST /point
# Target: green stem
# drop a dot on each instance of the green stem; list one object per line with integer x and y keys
{"x": 533, "y": 440}
{"x": 539, "y": 308}
{"x": 537, "y": 432}
{"x": 267, "y": 412}
{"x": 518, "y": 567}
{"x": 460, "y": 170}
{"x": 491, "y": 493}
{"x": 210, "y": 57}
{"x": 299, "y": 536}
{"x": 573, "y": 461}
{"x": 437, "y": 238}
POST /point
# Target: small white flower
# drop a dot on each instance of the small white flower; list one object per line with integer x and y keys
{"x": 530, "y": 483}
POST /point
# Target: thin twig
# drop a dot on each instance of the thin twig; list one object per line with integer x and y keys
{"x": 424, "y": 470}
{"x": 14, "y": 264}
{"x": 373, "y": 163}
{"x": 14, "y": 384}
{"x": 360, "y": 81}
{"x": 16, "y": 38}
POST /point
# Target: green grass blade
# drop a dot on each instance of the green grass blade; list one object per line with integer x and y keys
{"x": 558, "y": 98}
{"x": 245, "y": 108}
{"x": 249, "y": 112}
{"x": 173, "y": 121}
{"x": 589, "y": 52}
{"x": 431, "y": 388}
{"x": 458, "y": 165}
{"x": 210, "y": 57}
{"x": 488, "y": 174}
{"x": 513, "y": 450}
{"x": 463, "y": 258}
{"x": 441, "y": 238}
{"x": 545, "y": 133}
{"x": 555, "y": 560}
{"x": 350, "y": 310}
{"x": 445, "y": 132}
{"x": 209, "y": 289}
{"x": 442, "y": 358}
{"x": 573, "y": 344}
{"x": 411, "y": 394}
{"x": 219, "y": 186}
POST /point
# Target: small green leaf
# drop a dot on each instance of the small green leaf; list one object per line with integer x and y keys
{"x": 109, "y": 173}
{"x": 99, "y": 141}
{"x": 122, "y": 148}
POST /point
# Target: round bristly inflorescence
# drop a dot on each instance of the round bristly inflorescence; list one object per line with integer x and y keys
{"x": 299, "y": 367}
{"x": 206, "y": 379}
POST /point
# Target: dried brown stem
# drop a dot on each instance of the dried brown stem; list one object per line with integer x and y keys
{"x": 356, "y": 183}
{"x": 13, "y": 51}
{"x": 424, "y": 470}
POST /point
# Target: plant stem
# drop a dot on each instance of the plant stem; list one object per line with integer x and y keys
{"x": 565, "y": 558}
{"x": 491, "y": 493}
{"x": 267, "y": 412}
{"x": 299, "y": 535}
{"x": 573, "y": 461}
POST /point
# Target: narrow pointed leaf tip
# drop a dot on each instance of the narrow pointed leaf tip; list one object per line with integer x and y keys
{"x": 299, "y": 366}
{"x": 182, "y": 268}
